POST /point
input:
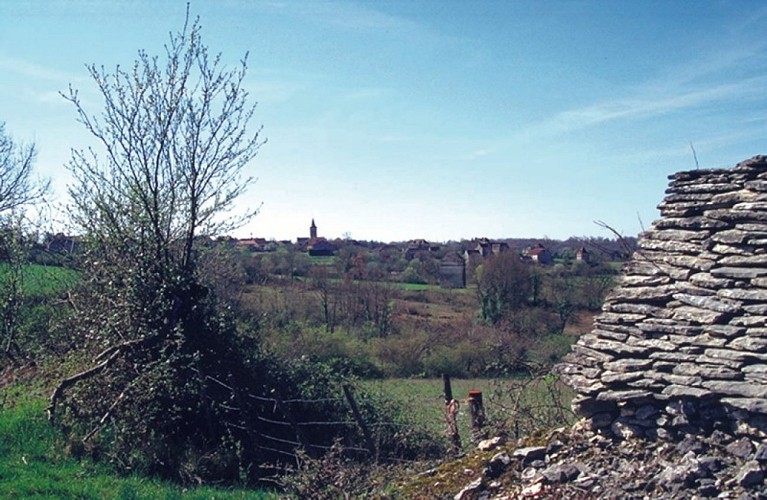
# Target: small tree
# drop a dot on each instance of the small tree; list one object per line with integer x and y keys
{"x": 18, "y": 189}
{"x": 503, "y": 284}
{"x": 174, "y": 139}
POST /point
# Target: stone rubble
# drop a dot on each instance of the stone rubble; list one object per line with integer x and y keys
{"x": 583, "y": 463}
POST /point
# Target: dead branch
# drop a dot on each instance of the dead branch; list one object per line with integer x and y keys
{"x": 112, "y": 353}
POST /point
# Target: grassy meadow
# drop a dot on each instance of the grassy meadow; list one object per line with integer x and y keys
{"x": 34, "y": 462}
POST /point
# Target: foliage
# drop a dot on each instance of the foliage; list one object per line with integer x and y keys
{"x": 503, "y": 285}
{"x": 334, "y": 475}
{"x": 528, "y": 404}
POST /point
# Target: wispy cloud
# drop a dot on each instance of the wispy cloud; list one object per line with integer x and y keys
{"x": 648, "y": 106}
{"x": 717, "y": 78}
{"x": 37, "y": 71}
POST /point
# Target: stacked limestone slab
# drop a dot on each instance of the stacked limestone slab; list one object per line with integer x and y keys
{"x": 681, "y": 343}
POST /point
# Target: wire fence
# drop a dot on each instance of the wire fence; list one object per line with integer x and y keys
{"x": 289, "y": 427}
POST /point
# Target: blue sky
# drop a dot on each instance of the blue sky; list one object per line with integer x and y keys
{"x": 395, "y": 120}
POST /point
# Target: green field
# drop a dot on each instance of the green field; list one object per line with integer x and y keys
{"x": 34, "y": 465}
{"x": 517, "y": 405}
{"x": 38, "y": 281}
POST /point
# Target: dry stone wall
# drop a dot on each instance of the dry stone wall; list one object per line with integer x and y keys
{"x": 681, "y": 343}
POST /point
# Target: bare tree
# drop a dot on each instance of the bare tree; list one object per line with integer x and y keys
{"x": 176, "y": 138}
{"x": 17, "y": 186}
{"x": 173, "y": 142}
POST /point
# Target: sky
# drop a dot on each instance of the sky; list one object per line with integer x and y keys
{"x": 444, "y": 120}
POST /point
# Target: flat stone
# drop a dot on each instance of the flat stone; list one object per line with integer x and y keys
{"x": 694, "y": 262}
{"x": 702, "y": 340}
{"x": 706, "y": 371}
{"x": 739, "y": 272}
{"x": 677, "y": 235}
{"x": 750, "y": 474}
{"x": 676, "y": 391}
{"x": 675, "y": 357}
{"x": 729, "y": 363}
{"x": 760, "y": 454}
{"x": 586, "y": 406}
{"x": 737, "y": 388}
{"x": 752, "y": 227}
{"x": 756, "y": 309}
{"x": 698, "y": 187}
{"x": 750, "y": 294}
{"x": 643, "y": 309}
{"x": 587, "y": 352}
{"x": 609, "y": 377}
{"x": 753, "y": 321}
{"x": 471, "y": 490}
{"x": 610, "y": 335}
{"x": 675, "y": 379}
{"x": 736, "y": 216}
{"x": 561, "y": 473}
{"x": 654, "y": 344}
{"x": 756, "y": 331}
{"x": 753, "y": 405}
{"x": 711, "y": 303}
{"x": 640, "y": 269}
{"x": 731, "y": 236}
{"x": 690, "y": 222}
{"x": 672, "y": 247}
{"x": 490, "y": 444}
{"x": 744, "y": 261}
{"x": 625, "y": 395}
{"x": 751, "y": 344}
{"x": 584, "y": 385}
{"x": 497, "y": 465}
{"x": 698, "y": 315}
{"x": 731, "y": 355}
{"x": 757, "y": 206}
{"x": 651, "y": 294}
{"x": 530, "y": 453}
{"x": 628, "y": 365}
{"x": 708, "y": 281}
{"x": 612, "y": 346}
{"x": 620, "y": 318}
{"x": 722, "y": 249}
{"x": 723, "y": 330}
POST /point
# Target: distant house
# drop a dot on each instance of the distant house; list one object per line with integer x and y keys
{"x": 60, "y": 243}
{"x": 320, "y": 247}
{"x": 252, "y": 244}
{"x": 485, "y": 247}
{"x": 582, "y": 255}
{"x": 414, "y": 247}
{"x": 538, "y": 254}
{"x": 452, "y": 271}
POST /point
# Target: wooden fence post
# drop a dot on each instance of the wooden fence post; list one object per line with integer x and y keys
{"x": 280, "y": 405}
{"x": 477, "y": 410}
{"x": 358, "y": 418}
{"x": 451, "y": 410}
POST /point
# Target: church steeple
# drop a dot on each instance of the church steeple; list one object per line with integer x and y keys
{"x": 313, "y": 230}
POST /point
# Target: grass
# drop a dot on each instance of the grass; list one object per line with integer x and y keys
{"x": 33, "y": 465}
{"x": 42, "y": 281}
{"x": 530, "y": 402}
